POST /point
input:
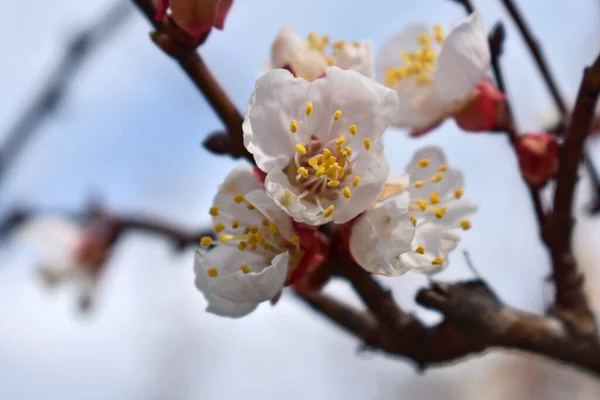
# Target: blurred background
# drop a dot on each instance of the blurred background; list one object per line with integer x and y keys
{"x": 127, "y": 133}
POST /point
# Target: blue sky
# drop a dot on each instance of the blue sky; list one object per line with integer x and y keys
{"x": 130, "y": 128}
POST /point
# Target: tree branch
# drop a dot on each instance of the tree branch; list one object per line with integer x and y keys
{"x": 182, "y": 48}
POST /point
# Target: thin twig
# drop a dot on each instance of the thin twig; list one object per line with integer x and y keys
{"x": 53, "y": 91}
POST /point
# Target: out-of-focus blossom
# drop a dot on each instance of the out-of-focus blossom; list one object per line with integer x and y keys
{"x": 437, "y": 77}
{"x": 538, "y": 157}
{"x": 70, "y": 253}
{"x": 320, "y": 142}
{"x": 309, "y": 59}
{"x": 413, "y": 225}
{"x": 196, "y": 17}
{"x": 257, "y": 252}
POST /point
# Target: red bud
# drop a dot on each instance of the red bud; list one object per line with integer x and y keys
{"x": 538, "y": 157}
{"x": 196, "y": 17}
{"x": 486, "y": 111}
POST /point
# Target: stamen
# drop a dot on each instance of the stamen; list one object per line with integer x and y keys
{"x": 313, "y": 162}
{"x": 303, "y": 171}
{"x": 356, "y": 181}
{"x": 219, "y": 227}
{"x": 265, "y": 222}
{"x": 439, "y": 214}
{"x": 465, "y": 224}
{"x": 226, "y": 238}
{"x": 436, "y": 178}
{"x": 341, "y": 140}
{"x": 443, "y": 168}
{"x": 422, "y": 204}
{"x": 413, "y": 220}
{"x": 250, "y": 206}
{"x": 458, "y": 193}
{"x": 295, "y": 240}
{"x": 300, "y": 149}
{"x": 434, "y": 197}
{"x": 423, "y": 163}
{"x": 437, "y": 261}
{"x": 245, "y": 269}
{"x": 238, "y": 198}
{"x": 214, "y": 211}
{"x": 347, "y": 192}
{"x": 273, "y": 229}
{"x": 235, "y": 224}
{"x": 352, "y": 129}
{"x": 337, "y": 115}
{"x": 420, "y": 250}
{"x": 212, "y": 272}
{"x": 333, "y": 183}
{"x": 419, "y": 184}
{"x": 309, "y": 109}
{"x": 206, "y": 241}
{"x": 348, "y": 150}
{"x": 294, "y": 126}
{"x": 424, "y": 39}
{"x": 327, "y": 213}
{"x": 367, "y": 144}
{"x": 242, "y": 246}
{"x": 439, "y": 33}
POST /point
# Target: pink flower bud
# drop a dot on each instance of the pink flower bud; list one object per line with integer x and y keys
{"x": 538, "y": 157}
{"x": 196, "y": 17}
{"x": 486, "y": 111}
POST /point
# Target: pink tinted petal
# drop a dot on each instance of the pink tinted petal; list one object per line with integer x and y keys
{"x": 161, "y": 9}
{"x": 422, "y": 131}
{"x": 485, "y": 112}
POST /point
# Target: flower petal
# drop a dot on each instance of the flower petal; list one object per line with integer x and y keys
{"x": 276, "y": 101}
{"x": 437, "y": 241}
{"x": 284, "y": 47}
{"x": 381, "y": 235}
{"x": 463, "y": 60}
{"x": 357, "y": 56}
{"x": 272, "y": 212}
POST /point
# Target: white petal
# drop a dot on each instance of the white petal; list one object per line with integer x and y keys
{"x": 456, "y": 211}
{"x": 254, "y": 287}
{"x": 216, "y": 304}
{"x": 278, "y": 187}
{"x": 309, "y": 64}
{"x": 463, "y": 61}
{"x": 357, "y": 57}
{"x": 240, "y": 181}
{"x": 276, "y": 101}
{"x": 438, "y": 242}
{"x": 272, "y": 212}
{"x": 363, "y": 102}
{"x": 405, "y": 41}
{"x": 433, "y": 154}
{"x": 284, "y": 47}
{"x": 372, "y": 168}
{"x": 381, "y": 235}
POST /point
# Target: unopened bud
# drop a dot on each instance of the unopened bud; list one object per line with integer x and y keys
{"x": 538, "y": 157}
{"x": 486, "y": 111}
{"x": 196, "y": 17}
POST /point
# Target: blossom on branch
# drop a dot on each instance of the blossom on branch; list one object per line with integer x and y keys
{"x": 257, "y": 251}
{"x": 196, "y": 17}
{"x": 309, "y": 59}
{"x": 413, "y": 225}
{"x": 438, "y": 77}
{"x": 538, "y": 157}
{"x": 320, "y": 143}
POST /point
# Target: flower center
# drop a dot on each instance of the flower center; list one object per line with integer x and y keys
{"x": 418, "y": 64}
{"x": 321, "y": 44}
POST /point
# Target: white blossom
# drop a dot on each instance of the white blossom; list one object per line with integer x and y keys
{"x": 320, "y": 142}
{"x": 413, "y": 226}
{"x": 434, "y": 76}
{"x": 257, "y": 248}
{"x": 309, "y": 59}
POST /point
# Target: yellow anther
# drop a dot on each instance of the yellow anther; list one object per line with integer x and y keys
{"x": 348, "y": 150}
{"x": 331, "y": 173}
{"x": 340, "y": 171}
{"x": 265, "y": 222}
{"x": 300, "y": 149}
{"x": 465, "y": 224}
{"x": 250, "y": 206}
{"x": 245, "y": 269}
{"x": 407, "y": 57}
{"x": 326, "y": 154}
{"x": 333, "y": 183}
{"x": 242, "y": 246}
{"x": 294, "y": 126}
{"x": 424, "y": 39}
{"x": 341, "y": 140}
{"x": 238, "y": 198}
{"x": 235, "y": 224}
{"x": 437, "y": 261}
{"x": 440, "y": 212}
{"x": 339, "y": 150}
{"x": 295, "y": 239}
{"x": 420, "y": 250}
{"x": 422, "y": 204}
{"x": 272, "y": 229}
{"x": 390, "y": 77}
{"x": 347, "y": 192}
{"x": 303, "y": 171}
{"x": 458, "y": 193}
{"x": 214, "y": 211}
{"x": 423, "y": 163}
{"x": 439, "y": 33}
{"x": 327, "y": 213}
{"x": 436, "y": 178}
{"x": 313, "y": 37}
{"x": 246, "y": 231}
{"x": 212, "y": 272}
{"x": 313, "y": 162}
{"x": 419, "y": 184}
{"x": 352, "y": 129}
{"x": 337, "y": 115}
{"x": 367, "y": 143}
{"x": 206, "y": 241}
{"x": 356, "y": 181}
{"x": 309, "y": 109}
{"x": 339, "y": 45}
{"x": 253, "y": 229}
{"x": 287, "y": 198}
{"x": 400, "y": 73}
{"x": 226, "y": 238}
{"x": 443, "y": 168}
{"x": 219, "y": 227}
{"x": 320, "y": 172}
{"x": 413, "y": 220}
{"x": 434, "y": 197}
{"x": 423, "y": 79}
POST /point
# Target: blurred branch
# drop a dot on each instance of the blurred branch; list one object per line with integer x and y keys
{"x": 53, "y": 91}
{"x": 550, "y": 81}
{"x": 182, "y": 48}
